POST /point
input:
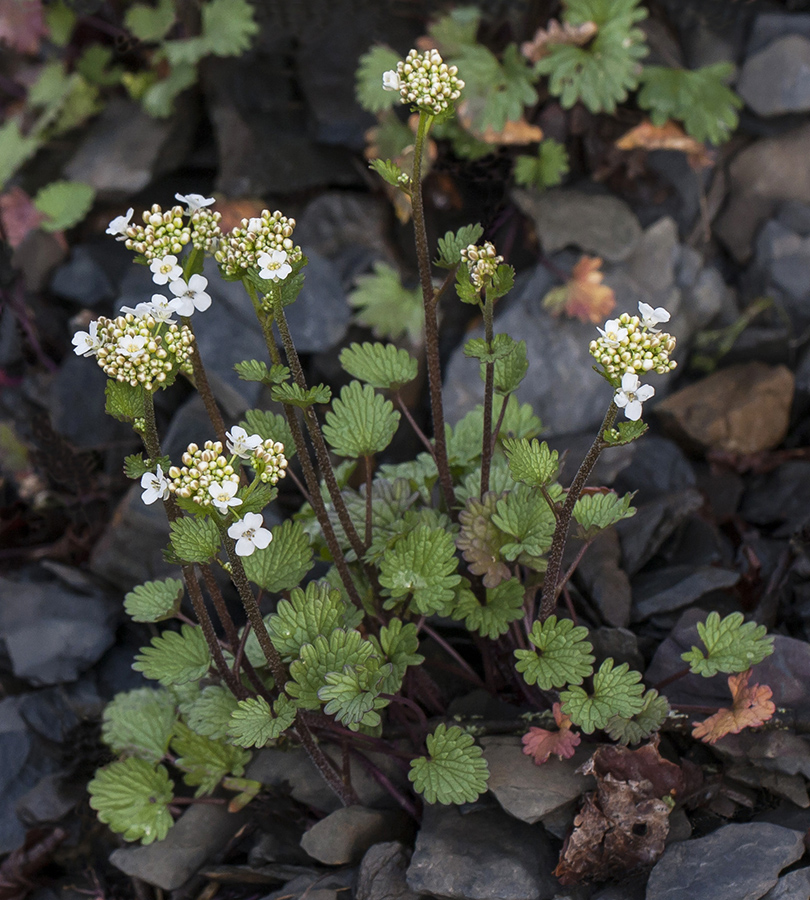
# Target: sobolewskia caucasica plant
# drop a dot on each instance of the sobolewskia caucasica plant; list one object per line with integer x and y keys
{"x": 470, "y": 530}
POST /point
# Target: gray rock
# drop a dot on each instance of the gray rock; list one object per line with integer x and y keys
{"x": 652, "y": 263}
{"x": 659, "y": 467}
{"x": 777, "y": 79}
{"x": 527, "y": 791}
{"x": 769, "y": 27}
{"x": 795, "y": 217}
{"x": 620, "y": 644}
{"x": 484, "y": 855}
{"x": 198, "y": 834}
{"x": 736, "y": 862}
{"x": 125, "y": 148}
{"x": 320, "y": 316}
{"x": 780, "y": 498}
{"x": 595, "y": 223}
{"x": 782, "y": 257}
{"x": 382, "y": 873}
{"x": 793, "y": 886}
{"x": 600, "y": 575}
{"x": 317, "y": 885}
{"x": 674, "y": 587}
{"x": 342, "y": 837}
{"x": 83, "y": 279}
{"x": 50, "y": 800}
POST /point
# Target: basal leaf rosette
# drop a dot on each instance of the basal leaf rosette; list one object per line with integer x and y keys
{"x": 361, "y": 422}
{"x": 563, "y": 654}
{"x": 454, "y": 770}
{"x": 732, "y": 645}
{"x": 616, "y": 692}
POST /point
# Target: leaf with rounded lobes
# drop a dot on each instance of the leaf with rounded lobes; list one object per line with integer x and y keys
{"x": 175, "y": 658}
{"x": 546, "y": 169}
{"x": 228, "y": 26}
{"x": 256, "y": 370}
{"x": 368, "y": 87}
{"x": 632, "y": 729}
{"x": 480, "y": 540}
{"x": 133, "y": 797}
{"x": 325, "y": 654}
{"x": 195, "y": 540}
{"x": 597, "y": 511}
{"x": 454, "y": 770}
{"x": 255, "y": 724}
{"x": 205, "y": 761}
{"x": 135, "y": 466}
{"x": 398, "y": 643}
{"x": 269, "y": 426}
{"x": 352, "y": 694}
{"x": 504, "y": 605}
{"x": 732, "y": 645}
{"x": 524, "y": 515}
{"x": 625, "y": 433}
{"x": 386, "y": 307}
{"x": 751, "y": 707}
{"x": 361, "y": 422}
{"x": 154, "y": 601}
{"x": 64, "y": 203}
{"x": 293, "y": 395}
{"x": 531, "y": 462}
{"x": 563, "y": 657}
{"x": 583, "y": 296}
{"x": 210, "y": 714}
{"x": 391, "y": 173}
{"x": 123, "y": 401}
{"x": 540, "y": 744}
{"x": 380, "y": 365}
{"x": 509, "y": 371}
{"x": 283, "y": 564}
{"x": 616, "y": 692}
{"x": 139, "y": 723}
{"x": 502, "y": 346}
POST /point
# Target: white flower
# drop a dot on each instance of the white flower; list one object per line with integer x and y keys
{"x": 131, "y": 345}
{"x": 155, "y": 485}
{"x": 223, "y": 495}
{"x": 255, "y": 224}
{"x": 87, "y": 343}
{"x": 165, "y": 270}
{"x": 631, "y": 395}
{"x": 241, "y": 443}
{"x": 274, "y": 265}
{"x": 190, "y": 295}
{"x": 650, "y": 318}
{"x": 142, "y": 309}
{"x": 391, "y": 81}
{"x": 194, "y": 202}
{"x": 161, "y": 309}
{"x": 612, "y": 334}
{"x": 119, "y": 225}
{"x": 249, "y": 534}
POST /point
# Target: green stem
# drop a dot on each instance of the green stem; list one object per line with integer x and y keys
{"x": 489, "y": 389}
{"x": 431, "y": 321}
{"x": 551, "y": 587}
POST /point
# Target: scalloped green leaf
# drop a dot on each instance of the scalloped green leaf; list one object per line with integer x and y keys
{"x": 625, "y": 433}
{"x": 283, "y": 564}
{"x": 509, "y": 371}
{"x": 154, "y": 601}
{"x": 351, "y": 695}
{"x": 133, "y": 798}
{"x": 195, "y": 540}
{"x": 210, "y": 714}
{"x": 228, "y": 26}
{"x": 502, "y": 346}
{"x": 361, "y": 422}
{"x": 136, "y": 466}
{"x": 504, "y": 605}
{"x": 563, "y": 654}
{"x": 150, "y": 23}
{"x": 123, "y": 401}
{"x": 205, "y": 761}
{"x": 256, "y": 370}
{"x": 368, "y": 87}
{"x": 524, "y": 514}
{"x": 595, "y": 512}
{"x": 632, "y": 729}
{"x": 293, "y": 395}
{"x": 531, "y": 462}
{"x": 546, "y": 169}
{"x": 325, "y": 654}
{"x": 175, "y": 658}
{"x": 616, "y": 692}
{"x": 386, "y": 307}
{"x": 454, "y": 771}
{"x": 451, "y": 245}
{"x": 269, "y": 426}
{"x": 380, "y": 365}
{"x": 255, "y": 724}
{"x": 398, "y": 643}
{"x": 64, "y": 203}
{"x": 732, "y": 645}
{"x": 139, "y": 723}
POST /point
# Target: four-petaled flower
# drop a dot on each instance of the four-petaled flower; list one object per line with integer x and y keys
{"x": 613, "y": 334}
{"x": 249, "y": 534}
{"x": 155, "y": 485}
{"x": 119, "y": 225}
{"x": 241, "y": 443}
{"x": 161, "y": 309}
{"x": 631, "y": 395}
{"x": 223, "y": 495}
{"x": 194, "y": 202}
{"x": 190, "y": 295}
{"x": 87, "y": 343}
{"x": 165, "y": 270}
{"x": 391, "y": 81}
{"x": 131, "y": 345}
{"x": 651, "y": 318}
{"x": 274, "y": 265}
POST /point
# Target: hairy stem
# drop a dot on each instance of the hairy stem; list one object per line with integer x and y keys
{"x": 489, "y": 388}
{"x": 204, "y": 388}
{"x": 369, "y": 461}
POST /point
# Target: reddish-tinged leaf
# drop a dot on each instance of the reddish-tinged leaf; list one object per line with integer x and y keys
{"x": 555, "y": 33}
{"x": 583, "y": 297}
{"x": 541, "y": 744}
{"x": 669, "y": 136}
{"x": 18, "y": 215}
{"x": 22, "y": 25}
{"x": 751, "y": 706}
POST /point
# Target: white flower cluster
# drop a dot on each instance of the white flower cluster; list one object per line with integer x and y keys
{"x": 266, "y": 457}
{"x": 161, "y": 235}
{"x": 426, "y": 81}
{"x": 258, "y": 242}
{"x": 482, "y": 262}
{"x": 206, "y": 476}
{"x": 205, "y": 230}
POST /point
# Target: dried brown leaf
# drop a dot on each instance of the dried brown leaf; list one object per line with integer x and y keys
{"x": 22, "y": 24}
{"x": 669, "y": 136}
{"x": 541, "y": 744}
{"x": 480, "y": 540}
{"x": 18, "y": 215}
{"x": 583, "y": 297}
{"x": 751, "y": 706}
{"x": 514, "y": 134}
{"x": 556, "y": 33}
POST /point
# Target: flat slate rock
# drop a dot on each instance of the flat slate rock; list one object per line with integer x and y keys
{"x": 344, "y": 835}
{"x": 382, "y": 873}
{"x": 736, "y": 862}
{"x": 777, "y": 79}
{"x": 793, "y": 886}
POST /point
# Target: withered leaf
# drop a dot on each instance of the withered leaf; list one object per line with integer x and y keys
{"x": 480, "y": 540}
{"x": 540, "y": 743}
{"x": 22, "y": 24}
{"x": 669, "y": 136}
{"x": 555, "y": 33}
{"x": 517, "y": 133}
{"x": 751, "y": 706}
{"x": 583, "y": 296}
{"x": 18, "y": 215}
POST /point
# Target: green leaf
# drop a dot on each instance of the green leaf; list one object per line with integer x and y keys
{"x": 294, "y": 395}
{"x": 150, "y": 23}
{"x": 210, "y": 714}
{"x": 139, "y": 723}
{"x": 15, "y": 149}
{"x": 94, "y": 66}
{"x": 625, "y": 433}
{"x": 175, "y": 658}
{"x": 386, "y": 307}
{"x": 509, "y": 371}
{"x": 228, "y": 26}
{"x": 456, "y": 30}
{"x": 255, "y": 724}
{"x": 454, "y": 771}
{"x": 531, "y": 462}
{"x": 284, "y": 562}
{"x": 256, "y": 370}
{"x": 368, "y": 79}
{"x": 502, "y": 346}
{"x": 133, "y": 798}
{"x": 186, "y": 52}
{"x": 352, "y": 694}
{"x": 317, "y": 610}
{"x": 616, "y": 692}
{"x": 519, "y": 420}
{"x": 502, "y": 282}
{"x": 601, "y": 74}
{"x": 525, "y": 515}
{"x": 391, "y": 173}
{"x": 136, "y": 466}
{"x": 361, "y": 422}
{"x": 699, "y": 98}
{"x": 269, "y": 426}
{"x": 325, "y": 654}
{"x": 158, "y": 99}
{"x": 732, "y": 645}
{"x": 546, "y": 169}
{"x": 595, "y": 512}
{"x": 421, "y": 565}
{"x": 398, "y": 643}
{"x": 195, "y": 540}
{"x": 205, "y": 761}
{"x": 390, "y": 506}
{"x": 564, "y": 655}
{"x": 257, "y": 499}
{"x": 81, "y": 101}
{"x": 123, "y": 401}
{"x": 504, "y": 604}
{"x": 380, "y": 365}
{"x": 495, "y": 92}
{"x": 632, "y": 729}
{"x": 480, "y": 540}
{"x": 60, "y": 19}
{"x": 451, "y": 245}
{"x": 154, "y": 600}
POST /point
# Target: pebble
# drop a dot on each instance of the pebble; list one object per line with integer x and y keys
{"x": 776, "y": 80}
{"x": 342, "y": 837}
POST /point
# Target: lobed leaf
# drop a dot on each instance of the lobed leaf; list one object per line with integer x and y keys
{"x": 540, "y": 744}
{"x": 596, "y": 512}
{"x": 154, "y": 601}
{"x": 228, "y": 26}
{"x": 368, "y": 79}
{"x": 616, "y": 692}
{"x": 638, "y": 727}
{"x": 524, "y": 514}
{"x": 210, "y": 714}
{"x": 133, "y": 798}
{"x": 732, "y": 645}
{"x": 481, "y": 541}
{"x": 255, "y": 724}
{"x": 205, "y": 761}
{"x": 175, "y": 658}
{"x": 325, "y": 654}
{"x": 504, "y": 605}
{"x": 293, "y": 395}
{"x": 386, "y": 307}
{"x": 256, "y": 370}
{"x": 352, "y": 696}
{"x": 564, "y": 655}
{"x": 451, "y": 245}
{"x": 531, "y": 462}
{"x": 269, "y": 426}
{"x": 64, "y": 203}
{"x": 361, "y": 422}
{"x": 391, "y": 173}
{"x": 751, "y": 707}
{"x": 123, "y": 401}
{"x": 195, "y": 540}
{"x": 454, "y": 770}
{"x": 546, "y": 169}
{"x": 136, "y": 466}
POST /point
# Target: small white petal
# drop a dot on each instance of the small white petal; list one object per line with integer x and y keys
{"x": 644, "y": 392}
{"x": 629, "y": 382}
{"x": 633, "y": 410}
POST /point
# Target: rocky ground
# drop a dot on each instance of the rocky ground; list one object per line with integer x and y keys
{"x": 722, "y": 481}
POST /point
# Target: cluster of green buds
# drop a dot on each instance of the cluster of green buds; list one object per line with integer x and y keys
{"x": 205, "y": 233}
{"x": 138, "y": 349}
{"x": 161, "y": 235}
{"x": 269, "y": 462}
{"x": 426, "y": 81}
{"x": 633, "y": 344}
{"x": 482, "y": 262}
{"x": 240, "y": 249}
{"x": 202, "y": 468}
